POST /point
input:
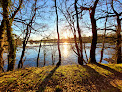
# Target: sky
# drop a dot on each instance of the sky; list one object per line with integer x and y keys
{"x": 45, "y": 19}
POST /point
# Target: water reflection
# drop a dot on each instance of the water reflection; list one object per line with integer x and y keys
{"x": 65, "y": 50}
{"x": 68, "y": 56}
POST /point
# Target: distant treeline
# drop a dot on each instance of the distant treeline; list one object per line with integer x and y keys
{"x": 109, "y": 39}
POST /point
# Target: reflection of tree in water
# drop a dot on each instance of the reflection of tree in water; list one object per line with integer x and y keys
{"x": 44, "y": 53}
{"x": 111, "y": 53}
{"x": 53, "y": 53}
{"x": 50, "y": 53}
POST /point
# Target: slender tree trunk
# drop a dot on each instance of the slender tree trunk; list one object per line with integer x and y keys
{"x": 2, "y": 34}
{"x": 20, "y": 65}
{"x": 118, "y": 45}
{"x": 59, "y": 62}
{"x": 102, "y": 50}
{"x": 76, "y": 45}
{"x": 80, "y": 61}
{"x": 75, "y": 38}
{"x": 38, "y": 55}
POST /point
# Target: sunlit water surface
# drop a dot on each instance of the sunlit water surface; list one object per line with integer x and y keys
{"x": 47, "y": 49}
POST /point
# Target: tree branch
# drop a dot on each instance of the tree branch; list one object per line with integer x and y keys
{"x": 15, "y": 12}
{"x": 113, "y": 8}
{"x": 95, "y": 5}
{"x": 105, "y": 17}
{"x": 107, "y": 29}
{"x": 84, "y": 8}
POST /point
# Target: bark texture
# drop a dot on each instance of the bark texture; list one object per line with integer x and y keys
{"x": 118, "y": 33}
{"x": 118, "y": 43}
{"x": 2, "y": 34}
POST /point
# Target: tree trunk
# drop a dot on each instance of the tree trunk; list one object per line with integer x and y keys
{"x": 80, "y": 60}
{"x": 118, "y": 46}
{"x": 59, "y": 62}
{"x": 38, "y": 55}
{"x": 118, "y": 32}
{"x": 12, "y": 48}
{"x": 20, "y": 65}
{"x": 76, "y": 45}
{"x": 94, "y": 38}
{"x": 2, "y": 34}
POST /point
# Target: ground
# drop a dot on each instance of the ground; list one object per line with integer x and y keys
{"x": 68, "y": 78}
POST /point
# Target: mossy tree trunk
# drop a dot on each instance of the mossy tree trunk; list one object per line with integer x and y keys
{"x": 2, "y": 34}
{"x": 11, "y": 45}
{"x": 118, "y": 43}
{"x": 8, "y": 23}
{"x": 11, "y": 48}
{"x": 118, "y": 33}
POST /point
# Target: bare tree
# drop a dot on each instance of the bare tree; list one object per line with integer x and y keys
{"x": 80, "y": 60}
{"x": 27, "y": 36}
{"x": 69, "y": 16}
{"x": 59, "y": 62}
{"x": 94, "y": 30}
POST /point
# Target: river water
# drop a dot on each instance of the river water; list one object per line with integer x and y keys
{"x": 68, "y": 55}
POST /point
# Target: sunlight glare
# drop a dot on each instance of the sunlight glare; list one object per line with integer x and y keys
{"x": 65, "y": 49}
{"x": 65, "y": 35}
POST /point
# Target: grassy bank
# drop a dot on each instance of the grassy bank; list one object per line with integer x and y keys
{"x": 71, "y": 78}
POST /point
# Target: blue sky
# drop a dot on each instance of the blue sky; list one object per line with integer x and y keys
{"x": 45, "y": 20}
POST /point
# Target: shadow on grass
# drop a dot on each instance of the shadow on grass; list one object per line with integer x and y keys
{"x": 110, "y": 69}
{"x": 98, "y": 82}
{"x": 12, "y": 83}
{"x": 43, "y": 84}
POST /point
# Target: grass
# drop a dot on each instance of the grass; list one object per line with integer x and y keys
{"x": 71, "y": 78}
